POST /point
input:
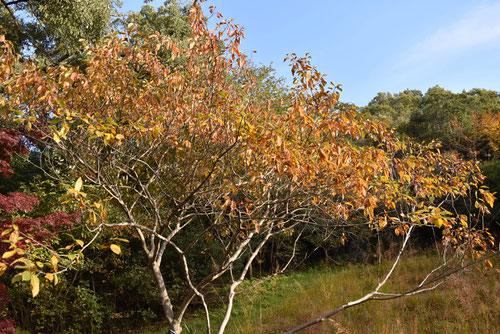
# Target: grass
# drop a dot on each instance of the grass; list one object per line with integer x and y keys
{"x": 469, "y": 303}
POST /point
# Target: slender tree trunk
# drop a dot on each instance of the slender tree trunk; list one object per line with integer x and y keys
{"x": 175, "y": 327}
{"x": 168, "y": 312}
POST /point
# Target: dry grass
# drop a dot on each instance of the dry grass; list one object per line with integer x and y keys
{"x": 469, "y": 303}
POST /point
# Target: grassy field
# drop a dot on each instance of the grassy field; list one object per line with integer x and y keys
{"x": 469, "y": 303}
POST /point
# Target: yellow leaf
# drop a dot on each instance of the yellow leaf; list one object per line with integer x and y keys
{"x": 56, "y": 138}
{"x": 3, "y": 268}
{"x": 463, "y": 220}
{"x": 49, "y": 276}
{"x": 14, "y": 235}
{"x": 35, "y": 285}
{"x": 490, "y": 199}
{"x": 115, "y": 249}
{"x": 78, "y": 184}
{"x": 8, "y": 254}
{"x": 54, "y": 260}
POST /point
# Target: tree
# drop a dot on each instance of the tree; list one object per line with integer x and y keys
{"x": 189, "y": 157}
{"x": 396, "y": 109}
{"x": 441, "y": 110}
{"x": 465, "y": 122}
{"x": 53, "y": 29}
{"x": 168, "y": 20}
{"x": 19, "y": 229}
{"x": 435, "y": 114}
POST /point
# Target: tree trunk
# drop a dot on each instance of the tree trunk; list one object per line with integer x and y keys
{"x": 175, "y": 328}
{"x": 168, "y": 311}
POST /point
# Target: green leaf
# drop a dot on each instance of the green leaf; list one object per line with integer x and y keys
{"x": 16, "y": 278}
{"x": 26, "y": 275}
{"x": 120, "y": 239}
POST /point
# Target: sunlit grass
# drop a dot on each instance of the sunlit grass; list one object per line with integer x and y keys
{"x": 469, "y": 303}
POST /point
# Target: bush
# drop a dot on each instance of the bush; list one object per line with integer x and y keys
{"x": 60, "y": 309}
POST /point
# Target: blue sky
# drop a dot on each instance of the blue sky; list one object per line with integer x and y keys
{"x": 374, "y": 46}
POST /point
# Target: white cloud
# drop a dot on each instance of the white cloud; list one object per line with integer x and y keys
{"x": 480, "y": 27}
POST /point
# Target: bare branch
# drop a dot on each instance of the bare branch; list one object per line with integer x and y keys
{"x": 365, "y": 298}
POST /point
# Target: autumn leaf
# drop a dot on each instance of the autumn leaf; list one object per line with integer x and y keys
{"x": 115, "y": 249}
{"x": 14, "y": 236}
{"x": 382, "y": 223}
{"x": 54, "y": 260}
{"x": 488, "y": 197}
{"x": 323, "y": 155}
{"x": 35, "y": 285}
{"x": 439, "y": 222}
{"x": 8, "y": 254}
{"x": 56, "y": 137}
{"x": 78, "y": 184}
{"x": 6, "y": 231}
